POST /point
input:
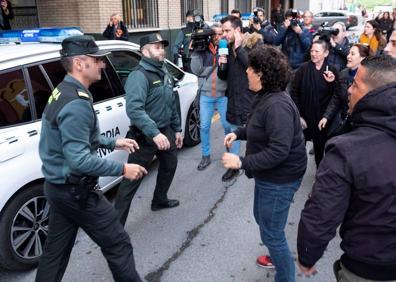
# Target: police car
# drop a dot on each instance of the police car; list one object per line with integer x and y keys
{"x": 28, "y": 73}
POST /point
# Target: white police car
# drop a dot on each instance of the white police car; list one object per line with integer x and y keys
{"x": 28, "y": 74}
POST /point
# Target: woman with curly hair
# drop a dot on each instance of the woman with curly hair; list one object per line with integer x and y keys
{"x": 372, "y": 36}
{"x": 275, "y": 154}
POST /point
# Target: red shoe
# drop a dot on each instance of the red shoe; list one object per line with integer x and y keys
{"x": 265, "y": 261}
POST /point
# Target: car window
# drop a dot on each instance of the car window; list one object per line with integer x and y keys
{"x": 55, "y": 72}
{"x": 174, "y": 71}
{"x": 124, "y": 62}
{"x": 14, "y": 99}
{"x": 41, "y": 89}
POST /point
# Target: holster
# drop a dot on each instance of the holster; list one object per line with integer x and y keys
{"x": 82, "y": 185}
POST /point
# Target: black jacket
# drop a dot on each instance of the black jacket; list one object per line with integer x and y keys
{"x": 110, "y": 32}
{"x": 6, "y": 18}
{"x": 275, "y": 149}
{"x": 338, "y": 55}
{"x": 239, "y": 96}
{"x": 355, "y": 186}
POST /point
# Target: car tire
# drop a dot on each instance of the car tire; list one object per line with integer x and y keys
{"x": 24, "y": 229}
{"x": 191, "y": 132}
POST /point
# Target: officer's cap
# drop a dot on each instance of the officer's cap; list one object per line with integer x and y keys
{"x": 81, "y": 45}
{"x": 153, "y": 38}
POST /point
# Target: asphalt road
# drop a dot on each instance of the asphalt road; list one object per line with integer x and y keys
{"x": 211, "y": 236}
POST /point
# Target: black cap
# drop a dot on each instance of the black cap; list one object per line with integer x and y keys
{"x": 190, "y": 13}
{"x": 153, "y": 38}
{"x": 81, "y": 45}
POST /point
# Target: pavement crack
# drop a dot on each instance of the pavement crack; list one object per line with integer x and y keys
{"x": 155, "y": 276}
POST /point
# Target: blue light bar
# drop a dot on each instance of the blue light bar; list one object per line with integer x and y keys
{"x": 51, "y": 34}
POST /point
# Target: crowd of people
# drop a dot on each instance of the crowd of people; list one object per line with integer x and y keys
{"x": 311, "y": 88}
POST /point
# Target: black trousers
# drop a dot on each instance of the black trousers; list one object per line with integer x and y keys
{"x": 99, "y": 220}
{"x": 144, "y": 156}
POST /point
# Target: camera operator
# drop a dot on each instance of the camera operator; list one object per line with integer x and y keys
{"x": 204, "y": 64}
{"x": 295, "y": 39}
{"x": 339, "y": 46}
{"x": 262, "y": 26}
{"x": 182, "y": 42}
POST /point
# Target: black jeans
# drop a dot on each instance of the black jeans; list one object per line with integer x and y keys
{"x": 144, "y": 156}
{"x": 99, "y": 220}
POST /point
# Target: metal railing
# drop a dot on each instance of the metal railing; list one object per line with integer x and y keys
{"x": 140, "y": 13}
{"x": 245, "y": 6}
{"x": 224, "y": 7}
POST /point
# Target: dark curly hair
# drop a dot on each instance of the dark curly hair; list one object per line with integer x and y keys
{"x": 273, "y": 66}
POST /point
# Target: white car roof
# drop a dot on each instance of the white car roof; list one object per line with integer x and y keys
{"x": 14, "y": 55}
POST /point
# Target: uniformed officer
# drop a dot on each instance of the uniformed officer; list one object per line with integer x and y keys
{"x": 155, "y": 124}
{"x": 183, "y": 40}
{"x": 70, "y": 137}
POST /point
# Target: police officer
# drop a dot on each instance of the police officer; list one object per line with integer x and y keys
{"x": 183, "y": 41}
{"x": 70, "y": 137}
{"x": 155, "y": 124}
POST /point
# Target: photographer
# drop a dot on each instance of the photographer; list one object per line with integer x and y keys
{"x": 339, "y": 46}
{"x": 262, "y": 26}
{"x": 204, "y": 64}
{"x": 295, "y": 39}
{"x": 182, "y": 42}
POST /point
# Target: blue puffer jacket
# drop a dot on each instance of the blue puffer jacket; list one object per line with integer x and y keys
{"x": 294, "y": 45}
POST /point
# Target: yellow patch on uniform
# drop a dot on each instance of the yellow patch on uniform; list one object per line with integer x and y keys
{"x": 82, "y": 94}
{"x": 156, "y": 82}
{"x": 54, "y": 95}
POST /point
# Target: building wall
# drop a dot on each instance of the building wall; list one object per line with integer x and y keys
{"x": 169, "y": 12}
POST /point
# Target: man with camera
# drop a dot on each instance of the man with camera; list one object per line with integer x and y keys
{"x": 204, "y": 64}
{"x": 295, "y": 39}
{"x": 182, "y": 42}
{"x": 116, "y": 29}
{"x": 338, "y": 43}
{"x": 262, "y": 26}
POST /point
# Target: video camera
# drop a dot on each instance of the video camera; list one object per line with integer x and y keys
{"x": 201, "y": 34}
{"x": 325, "y": 32}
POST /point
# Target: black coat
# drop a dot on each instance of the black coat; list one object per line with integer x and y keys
{"x": 110, "y": 31}
{"x": 6, "y": 18}
{"x": 238, "y": 93}
{"x": 355, "y": 186}
{"x": 275, "y": 149}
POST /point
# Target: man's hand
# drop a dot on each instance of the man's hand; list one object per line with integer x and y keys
{"x": 322, "y": 123}
{"x": 297, "y": 29}
{"x": 162, "y": 142}
{"x": 229, "y": 138}
{"x": 238, "y": 39}
{"x": 222, "y": 59}
{"x": 134, "y": 171}
{"x": 332, "y": 42}
{"x": 231, "y": 161}
{"x": 286, "y": 23}
{"x": 303, "y": 123}
{"x": 179, "y": 140}
{"x": 257, "y": 26}
{"x": 126, "y": 144}
{"x": 307, "y": 270}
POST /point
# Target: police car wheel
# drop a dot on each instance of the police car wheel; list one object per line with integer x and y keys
{"x": 192, "y": 135}
{"x": 24, "y": 229}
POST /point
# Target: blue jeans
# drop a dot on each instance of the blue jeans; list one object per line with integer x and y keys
{"x": 236, "y": 145}
{"x": 271, "y": 208}
{"x": 206, "y": 111}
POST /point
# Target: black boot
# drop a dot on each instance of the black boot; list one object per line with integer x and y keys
{"x": 230, "y": 174}
{"x": 205, "y": 162}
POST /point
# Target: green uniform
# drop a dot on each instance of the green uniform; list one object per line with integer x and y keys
{"x": 151, "y": 107}
{"x": 69, "y": 141}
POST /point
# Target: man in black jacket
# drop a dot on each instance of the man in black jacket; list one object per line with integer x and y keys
{"x": 234, "y": 71}
{"x": 339, "y": 47}
{"x": 355, "y": 184}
